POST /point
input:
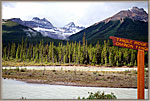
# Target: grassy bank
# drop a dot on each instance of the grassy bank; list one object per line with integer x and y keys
{"x": 13, "y": 63}
{"x": 126, "y": 79}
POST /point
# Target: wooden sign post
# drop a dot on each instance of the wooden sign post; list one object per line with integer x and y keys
{"x": 140, "y": 74}
{"x": 141, "y": 47}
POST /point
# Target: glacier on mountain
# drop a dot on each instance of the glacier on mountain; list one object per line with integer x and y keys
{"x": 47, "y": 29}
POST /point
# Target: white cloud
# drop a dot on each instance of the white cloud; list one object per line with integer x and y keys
{"x": 61, "y": 13}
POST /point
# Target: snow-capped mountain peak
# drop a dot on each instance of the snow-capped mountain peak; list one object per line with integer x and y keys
{"x": 42, "y": 21}
{"x": 35, "y": 19}
{"x": 71, "y": 24}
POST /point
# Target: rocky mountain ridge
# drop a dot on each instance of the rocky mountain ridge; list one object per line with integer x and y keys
{"x": 135, "y": 14}
{"x": 130, "y": 24}
{"x": 35, "y": 22}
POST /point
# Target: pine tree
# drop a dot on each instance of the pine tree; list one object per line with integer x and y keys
{"x": 41, "y": 51}
{"x": 132, "y": 58}
{"x": 74, "y": 53}
{"x": 8, "y": 52}
{"x": 45, "y": 52}
{"x": 126, "y": 56}
{"x": 24, "y": 50}
{"x": 102, "y": 57}
{"x": 64, "y": 54}
{"x": 28, "y": 55}
{"x": 81, "y": 55}
{"x": 135, "y": 64}
{"x": 83, "y": 42}
{"x": 117, "y": 63}
{"x": 13, "y": 50}
{"x": 36, "y": 54}
{"x": 33, "y": 53}
{"x": 52, "y": 52}
{"x": 110, "y": 57}
{"x": 18, "y": 51}
{"x": 120, "y": 57}
{"x": 98, "y": 53}
{"x": 90, "y": 54}
{"x": 59, "y": 53}
{"x": 105, "y": 52}
{"x": 94, "y": 60}
{"x": 69, "y": 55}
{"x": 79, "y": 52}
{"x": 46, "y": 59}
{"x": 21, "y": 50}
{"x": 5, "y": 53}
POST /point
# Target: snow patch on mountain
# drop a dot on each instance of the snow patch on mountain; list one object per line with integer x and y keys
{"x": 30, "y": 32}
{"x": 43, "y": 29}
{"x": 70, "y": 25}
{"x": 56, "y": 33}
{"x": 60, "y": 32}
{"x": 47, "y": 29}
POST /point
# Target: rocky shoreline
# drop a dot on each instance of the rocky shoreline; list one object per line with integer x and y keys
{"x": 70, "y": 84}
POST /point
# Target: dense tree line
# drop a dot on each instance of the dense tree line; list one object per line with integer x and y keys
{"x": 71, "y": 53}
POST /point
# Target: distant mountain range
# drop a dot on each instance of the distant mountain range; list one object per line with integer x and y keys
{"x": 47, "y": 29}
{"x": 14, "y": 32}
{"x": 130, "y": 24}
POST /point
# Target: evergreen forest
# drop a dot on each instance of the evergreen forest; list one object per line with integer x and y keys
{"x": 71, "y": 53}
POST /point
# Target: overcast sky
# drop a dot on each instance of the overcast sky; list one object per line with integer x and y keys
{"x": 61, "y": 13}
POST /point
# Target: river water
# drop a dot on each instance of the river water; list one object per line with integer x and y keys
{"x": 12, "y": 89}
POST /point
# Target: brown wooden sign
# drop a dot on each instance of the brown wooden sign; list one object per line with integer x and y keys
{"x": 141, "y": 47}
{"x": 127, "y": 43}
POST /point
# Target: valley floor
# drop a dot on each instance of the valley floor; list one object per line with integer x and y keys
{"x": 72, "y": 74}
{"x": 115, "y": 79}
